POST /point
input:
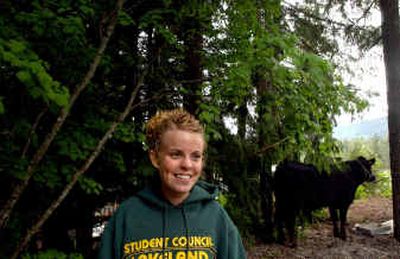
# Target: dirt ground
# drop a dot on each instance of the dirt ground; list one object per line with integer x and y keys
{"x": 317, "y": 240}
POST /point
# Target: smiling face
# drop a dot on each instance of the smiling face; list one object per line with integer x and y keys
{"x": 179, "y": 160}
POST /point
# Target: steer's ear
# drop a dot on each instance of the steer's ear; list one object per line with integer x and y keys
{"x": 371, "y": 161}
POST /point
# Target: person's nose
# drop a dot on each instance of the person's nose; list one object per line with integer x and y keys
{"x": 186, "y": 162}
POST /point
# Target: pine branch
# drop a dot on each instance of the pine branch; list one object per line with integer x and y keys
{"x": 295, "y": 12}
{"x": 352, "y": 27}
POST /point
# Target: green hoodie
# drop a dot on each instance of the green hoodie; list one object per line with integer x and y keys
{"x": 147, "y": 226}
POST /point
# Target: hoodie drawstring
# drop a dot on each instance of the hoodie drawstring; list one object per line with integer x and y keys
{"x": 164, "y": 226}
{"x": 185, "y": 222}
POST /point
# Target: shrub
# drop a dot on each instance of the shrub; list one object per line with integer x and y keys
{"x": 381, "y": 187}
{"x": 52, "y": 254}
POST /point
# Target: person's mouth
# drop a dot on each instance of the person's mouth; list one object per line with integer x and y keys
{"x": 183, "y": 176}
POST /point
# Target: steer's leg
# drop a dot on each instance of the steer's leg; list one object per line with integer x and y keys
{"x": 343, "y": 216}
{"x": 279, "y": 225}
{"x": 334, "y": 218}
{"x": 291, "y": 228}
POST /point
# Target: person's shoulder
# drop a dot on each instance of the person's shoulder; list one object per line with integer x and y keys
{"x": 219, "y": 210}
{"x": 131, "y": 203}
{"x": 222, "y": 217}
{"x": 132, "y": 200}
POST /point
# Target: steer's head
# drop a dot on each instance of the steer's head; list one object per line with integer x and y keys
{"x": 366, "y": 168}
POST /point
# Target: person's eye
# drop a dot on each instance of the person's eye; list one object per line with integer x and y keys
{"x": 196, "y": 157}
{"x": 175, "y": 155}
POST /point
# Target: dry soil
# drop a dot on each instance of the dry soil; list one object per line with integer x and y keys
{"x": 317, "y": 240}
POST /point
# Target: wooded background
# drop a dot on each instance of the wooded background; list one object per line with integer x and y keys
{"x": 79, "y": 79}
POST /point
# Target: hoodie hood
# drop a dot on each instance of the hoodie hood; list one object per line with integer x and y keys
{"x": 201, "y": 192}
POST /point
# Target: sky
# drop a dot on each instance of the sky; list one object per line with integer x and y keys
{"x": 369, "y": 76}
{"x": 370, "y": 79}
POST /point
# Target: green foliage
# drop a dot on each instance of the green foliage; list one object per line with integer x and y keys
{"x": 294, "y": 111}
{"x": 156, "y": 19}
{"x": 2, "y": 110}
{"x": 126, "y": 132}
{"x": 374, "y": 147}
{"x": 32, "y": 72}
{"x": 124, "y": 19}
{"x": 76, "y": 144}
{"x": 377, "y": 147}
{"x": 17, "y": 167}
{"x": 116, "y": 160}
{"x": 49, "y": 175}
{"x": 208, "y": 115}
{"x": 320, "y": 215}
{"x": 304, "y": 92}
{"x": 381, "y": 187}
{"x": 52, "y": 254}
{"x": 46, "y": 48}
{"x": 242, "y": 218}
{"x": 222, "y": 199}
{"x": 89, "y": 185}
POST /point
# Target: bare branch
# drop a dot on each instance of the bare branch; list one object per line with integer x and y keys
{"x": 366, "y": 12}
{"x": 33, "y": 129}
{"x": 265, "y": 148}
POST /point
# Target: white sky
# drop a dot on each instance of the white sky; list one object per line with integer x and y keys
{"x": 369, "y": 76}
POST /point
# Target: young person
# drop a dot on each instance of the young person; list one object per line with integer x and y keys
{"x": 178, "y": 217}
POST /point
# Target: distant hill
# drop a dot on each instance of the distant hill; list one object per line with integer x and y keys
{"x": 363, "y": 129}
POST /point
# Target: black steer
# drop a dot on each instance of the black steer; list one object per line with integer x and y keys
{"x": 300, "y": 188}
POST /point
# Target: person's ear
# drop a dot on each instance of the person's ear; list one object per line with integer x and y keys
{"x": 154, "y": 158}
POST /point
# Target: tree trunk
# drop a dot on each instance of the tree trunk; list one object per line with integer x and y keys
{"x": 54, "y": 205}
{"x": 391, "y": 51}
{"x": 32, "y": 131}
{"x": 243, "y": 112}
{"x": 193, "y": 74}
{"x": 41, "y": 151}
{"x": 264, "y": 162}
{"x": 266, "y": 198}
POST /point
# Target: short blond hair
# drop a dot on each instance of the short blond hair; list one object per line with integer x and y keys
{"x": 166, "y": 120}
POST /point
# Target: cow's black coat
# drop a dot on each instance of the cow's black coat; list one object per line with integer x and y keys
{"x": 300, "y": 188}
